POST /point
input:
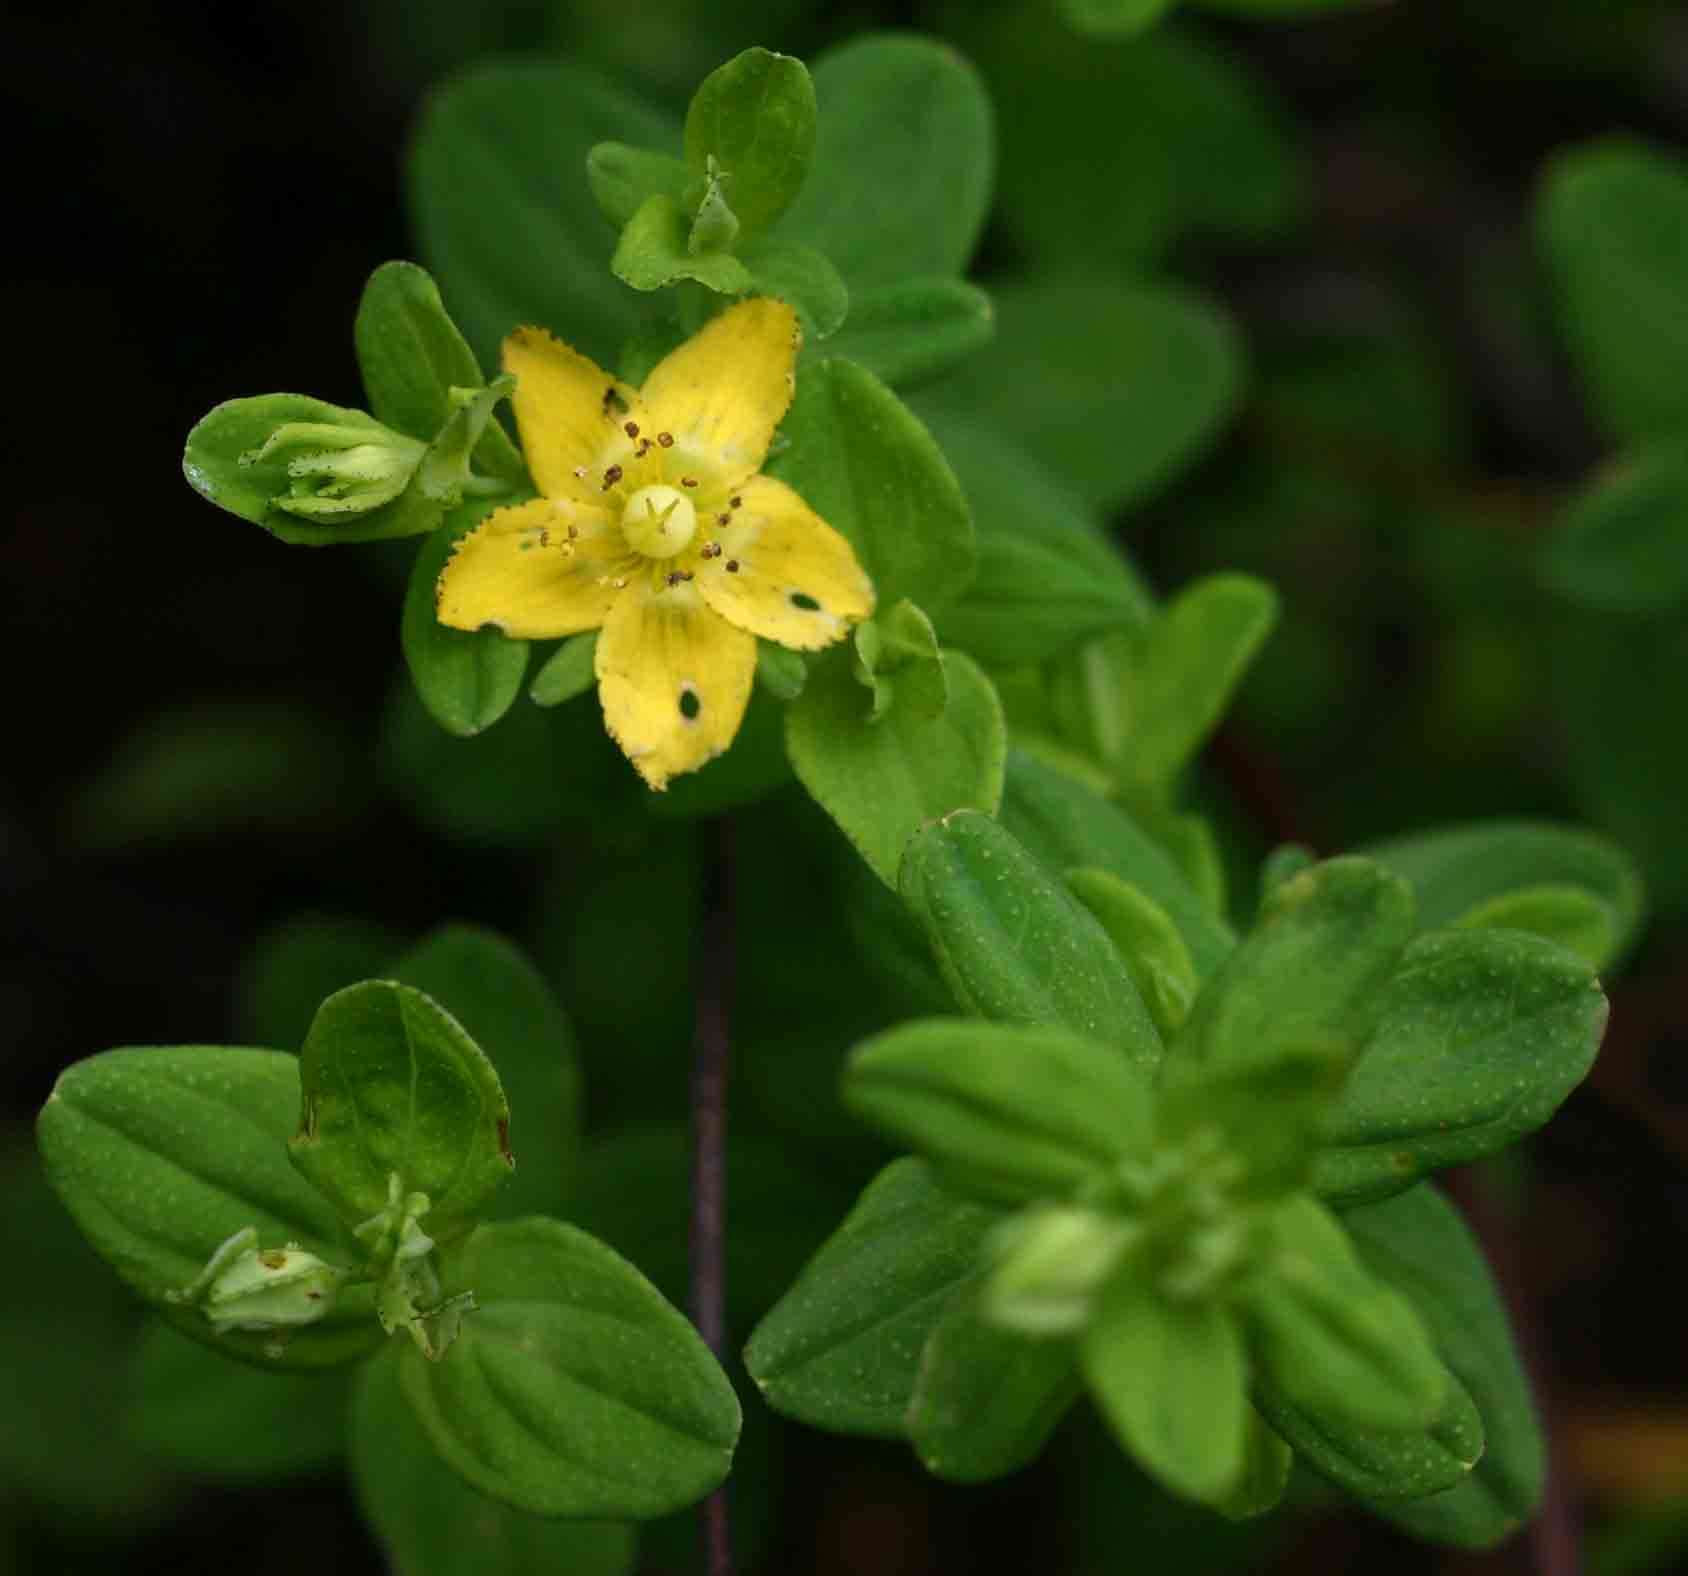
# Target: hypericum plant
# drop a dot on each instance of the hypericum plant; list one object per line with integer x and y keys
{"x": 1183, "y": 1170}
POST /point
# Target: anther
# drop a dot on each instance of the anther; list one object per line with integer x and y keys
{"x": 612, "y": 474}
{"x": 688, "y": 481}
{"x": 732, "y": 566}
{"x": 666, "y": 439}
{"x": 631, "y": 429}
{"x": 737, "y": 503}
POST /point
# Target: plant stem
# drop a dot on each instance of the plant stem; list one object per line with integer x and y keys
{"x": 709, "y": 1145}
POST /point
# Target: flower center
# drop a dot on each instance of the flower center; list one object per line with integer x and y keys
{"x": 659, "y": 521}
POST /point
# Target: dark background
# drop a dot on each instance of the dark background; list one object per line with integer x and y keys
{"x": 198, "y": 193}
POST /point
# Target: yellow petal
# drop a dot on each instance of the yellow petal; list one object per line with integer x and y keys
{"x": 783, "y": 573}
{"x": 572, "y": 417}
{"x": 522, "y": 571}
{"x": 722, "y": 393}
{"x": 674, "y": 678}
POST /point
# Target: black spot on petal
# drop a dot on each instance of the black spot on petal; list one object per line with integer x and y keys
{"x": 690, "y": 705}
{"x": 802, "y": 599}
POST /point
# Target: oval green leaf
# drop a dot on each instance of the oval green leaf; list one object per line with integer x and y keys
{"x": 161, "y": 1154}
{"x": 574, "y": 1388}
{"x": 915, "y": 329}
{"x": 1622, "y": 544}
{"x": 392, "y": 1084}
{"x": 754, "y": 118}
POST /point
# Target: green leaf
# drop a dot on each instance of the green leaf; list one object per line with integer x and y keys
{"x": 568, "y": 672}
{"x": 901, "y": 177}
{"x": 1417, "y": 1243}
{"x": 1114, "y": 18}
{"x": 755, "y": 118}
{"x": 498, "y": 996}
{"x": 1267, "y": 1461}
{"x": 1481, "y": 1034}
{"x": 1386, "y": 1468}
{"x": 1147, "y": 941}
{"x": 1332, "y": 1341}
{"x": 161, "y": 1154}
{"x": 432, "y": 1523}
{"x": 391, "y": 1083}
{"x": 655, "y": 250}
{"x": 225, "y": 462}
{"x": 1065, "y": 825}
{"x": 1172, "y": 1380}
{"x": 1622, "y": 544}
{"x": 501, "y": 202}
{"x": 897, "y": 657}
{"x": 803, "y": 277}
{"x": 914, "y": 329}
{"x": 780, "y": 671}
{"x": 574, "y": 1388}
{"x": 865, "y": 464}
{"x": 1188, "y": 663}
{"x": 1207, "y": 150}
{"x": 1306, "y": 979}
{"x": 841, "y": 1350}
{"x": 1014, "y": 945}
{"x": 1612, "y": 224}
{"x": 623, "y": 177}
{"x": 467, "y": 679}
{"x": 1569, "y": 915}
{"x": 1456, "y": 868}
{"x": 219, "y": 1419}
{"x": 1113, "y": 387}
{"x": 1011, "y": 1113}
{"x": 881, "y": 781}
{"x": 412, "y": 357}
{"x": 986, "y": 1399}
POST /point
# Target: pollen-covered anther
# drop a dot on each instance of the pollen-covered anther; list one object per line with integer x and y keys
{"x": 631, "y": 428}
{"x": 612, "y": 474}
{"x": 666, "y": 439}
{"x": 659, "y": 521}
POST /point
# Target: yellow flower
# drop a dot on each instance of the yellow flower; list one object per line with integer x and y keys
{"x": 655, "y": 526}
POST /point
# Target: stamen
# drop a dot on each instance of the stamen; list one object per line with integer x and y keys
{"x": 688, "y": 481}
{"x": 631, "y": 429}
{"x": 612, "y": 474}
{"x": 666, "y": 439}
{"x": 732, "y": 566}
{"x": 737, "y": 503}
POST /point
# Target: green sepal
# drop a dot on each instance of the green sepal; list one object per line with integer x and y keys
{"x": 233, "y": 460}
{"x": 881, "y": 779}
{"x": 1064, "y": 825}
{"x": 1480, "y": 1035}
{"x": 913, "y": 330}
{"x": 412, "y": 357}
{"x": 568, "y": 672}
{"x": 841, "y": 1350}
{"x": 1418, "y": 1244}
{"x": 1307, "y": 977}
{"x": 1187, "y": 664}
{"x": 1171, "y": 1378}
{"x": 1013, "y": 945}
{"x": 1330, "y": 1339}
{"x": 574, "y": 1388}
{"x": 392, "y": 1085}
{"x": 897, "y": 657}
{"x": 986, "y": 1399}
{"x": 1011, "y": 1113}
{"x": 490, "y": 987}
{"x": 894, "y": 195}
{"x": 753, "y": 121}
{"x": 1147, "y": 941}
{"x": 1570, "y": 916}
{"x": 1456, "y": 868}
{"x": 467, "y": 679}
{"x": 655, "y": 250}
{"x": 864, "y": 462}
{"x": 715, "y": 226}
{"x": 781, "y": 671}
{"x": 431, "y": 1522}
{"x": 161, "y": 1154}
